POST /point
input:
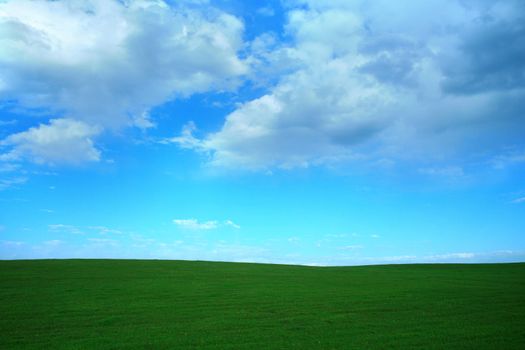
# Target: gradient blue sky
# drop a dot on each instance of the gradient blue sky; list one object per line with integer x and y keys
{"x": 293, "y": 131}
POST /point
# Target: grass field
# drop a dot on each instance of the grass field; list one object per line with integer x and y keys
{"x": 115, "y": 304}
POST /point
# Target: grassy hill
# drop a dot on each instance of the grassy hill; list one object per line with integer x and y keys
{"x": 115, "y": 304}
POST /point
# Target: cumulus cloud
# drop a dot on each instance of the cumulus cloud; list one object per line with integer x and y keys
{"x": 357, "y": 83}
{"x": 105, "y": 63}
{"x": 61, "y": 141}
{"x": 354, "y": 81}
{"x": 491, "y": 52}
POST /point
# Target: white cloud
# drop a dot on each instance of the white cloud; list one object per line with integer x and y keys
{"x": 375, "y": 236}
{"x": 107, "y": 63}
{"x": 338, "y": 235}
{"x": 509, "y": 158}
{"x": 103, "y": 241}
{"x": 186, "y": 140}
{"x": 141, "y": 242}
{"x": 53, "y": 243}
{"x": 311, "y": 117}
{"x": 193, "y": 224}
{"x": 519, "y": 200}
{"x": 8, "y": 167}
{"x": 12, "y": 182}
{"x": 64, "y": 228}
{"x": 449, "y": 171}
{"x": 450, "y": 256}
{"x": 266, "y": 11}
{"x": 7, "y": 122}
{"x": 231, "y": 224}
{"x": 13, "y": 243}
{"x": 352, "y": 247}
{"x": 131, "y": 57}
{"x": 397, "y": 258}
{"x": 438, "y": 258}
{"x": 61, "y": 141}
{"x": 143, "y": 121}
{"x": 103, "y": 230}
{"x": 361, "y": 85}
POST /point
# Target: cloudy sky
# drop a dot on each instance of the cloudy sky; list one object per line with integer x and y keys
{"x": 296, "y": 131}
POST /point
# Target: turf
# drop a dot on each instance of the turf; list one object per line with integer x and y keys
{"x": 148, "y": 304}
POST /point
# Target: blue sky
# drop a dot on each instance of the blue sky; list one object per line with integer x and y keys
{"x": 293, "y": 131}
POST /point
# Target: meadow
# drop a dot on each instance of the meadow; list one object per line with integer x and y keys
{"x": 150, "y": 304}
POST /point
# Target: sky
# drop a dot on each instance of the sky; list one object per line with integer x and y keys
{"x": 315, "y": 132}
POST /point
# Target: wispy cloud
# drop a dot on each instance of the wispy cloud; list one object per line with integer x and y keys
{"x": 53, "y": 243}
{"x": 504, "y": 160}
{"x": 65, "y": 228}
{"x": 519, "y": 200}
{"x": 458, "y": 257}
{"x": 266, "y": 11}
{"x": 450, "y": 256}
{"x": 141, "y": 242}
{"x": 7, "y": 122}
{"x": 194, "y": 224}
{"x": 103, "y": 241}
{"x": 340, "y": 235}
{"x": 351, "y": 247}
{"x": 448, "y": 171}
{"x": 12, "y": 243}
{"x": 8, "y": 167}
{"x": 186, "y": 139}
{"x": 13, "y": 182}
{"x": 231, "y": 224}
{"x": 103, "y": 230}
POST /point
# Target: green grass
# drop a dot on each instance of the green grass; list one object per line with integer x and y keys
{"x": 115, "y": 304}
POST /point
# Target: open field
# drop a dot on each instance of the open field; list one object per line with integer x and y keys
{"x": 114, "y": 304}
